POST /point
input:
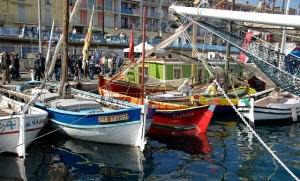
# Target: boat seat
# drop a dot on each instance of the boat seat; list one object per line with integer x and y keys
{"x": 48, "y": 97}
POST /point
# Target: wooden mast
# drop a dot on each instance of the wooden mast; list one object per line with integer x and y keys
{"x": 193, "y": 54}
{"x": 143, "y": 55}
{"x": 65, "y": 90}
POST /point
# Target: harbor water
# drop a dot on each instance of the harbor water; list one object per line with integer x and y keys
{"x": 228, "y": 151}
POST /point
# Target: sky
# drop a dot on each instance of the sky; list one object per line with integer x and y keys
{"x": 293, "y": 3}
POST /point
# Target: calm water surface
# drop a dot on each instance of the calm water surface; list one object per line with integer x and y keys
{"x": 228, "y": 151}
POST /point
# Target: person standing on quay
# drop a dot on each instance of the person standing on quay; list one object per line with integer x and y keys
{"x": 17, "y": 66}
{"x": 5, "y": 63}
{"x": 39, "y": 65}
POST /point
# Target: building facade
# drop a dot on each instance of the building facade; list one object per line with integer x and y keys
{"x": 116, "y": 15}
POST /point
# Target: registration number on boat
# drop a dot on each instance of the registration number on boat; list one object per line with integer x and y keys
{"x": 115, "y": 118}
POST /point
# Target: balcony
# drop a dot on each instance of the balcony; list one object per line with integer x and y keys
{"x": 13, "y": 32}
{"x": 136, "y": 12}
{"x": 151, "y": 1}
{"x": 127, "y": 11}
{"x": 153, "y": 15}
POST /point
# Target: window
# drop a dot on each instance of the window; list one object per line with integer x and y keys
{"x": 177, "y": 73}
{"x": 22, "y": 14}
{"x": 232, "y": 69}
{"x": 48, "y": 16}
{"x": 108, "y": 5}
{"x": 108, "y": 21}
{"x": 124, "y": 23}
{"x": 94, "y": 18}
{"x": 48, "y": 2}
{"x": 90, "y": 4}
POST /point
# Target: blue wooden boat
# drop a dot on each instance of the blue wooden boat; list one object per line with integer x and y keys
{"x": 93, "y": 117}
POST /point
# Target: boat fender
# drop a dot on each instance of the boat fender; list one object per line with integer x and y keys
{"x": 245, "y": 101}
{"x": 294, "y": 113}
{"x": 194, "y": 100}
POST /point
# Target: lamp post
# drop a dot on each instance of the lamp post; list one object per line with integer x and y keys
{"x": 40, "y": 28}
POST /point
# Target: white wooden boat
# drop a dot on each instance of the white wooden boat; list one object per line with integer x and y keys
{"x": 92, "y": 117}
{"x": 17, "y": 128}
{"x": 277, "y": 106}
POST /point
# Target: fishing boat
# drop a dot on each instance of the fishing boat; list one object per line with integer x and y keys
{"x": 234, "y": 95}
{"x": 271, "y": 106}
{"x": 19, "y": 125}
{"x": 87, "y": 116}
{"x": 175, "y": 116}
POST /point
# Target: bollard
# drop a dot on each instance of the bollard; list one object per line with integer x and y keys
{"x": 32, "y": 74}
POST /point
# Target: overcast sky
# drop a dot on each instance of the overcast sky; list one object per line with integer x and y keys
{"x": 293, "y": 3}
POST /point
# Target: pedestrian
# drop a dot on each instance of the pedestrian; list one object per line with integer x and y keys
{"x": 39, "y": 64}
{"x": 78, "y": 70}
{"x": 33, "y": 31}
{"x": 103, "y": 65}
{"x": 25, "y": 31}
{"x": 85, "y": 69}
{"x": 122, "y": 37}
{"x": 91, "y": 67}
{"x": 5, "y": 63}
{"x": 11, "y": 69}
{"x": 110, "y": 65}
{"x": 74, "y": 34}
{"x": 119, "y": 62}
{"x": 57, "y": 67}
{"x": 17, "y": 66}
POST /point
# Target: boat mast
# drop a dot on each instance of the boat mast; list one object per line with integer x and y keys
{"x": 65, "y": 89}
{"x": 143, "y": 55}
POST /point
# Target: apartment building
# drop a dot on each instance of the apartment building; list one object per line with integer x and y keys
{"x": 116, "y": 15}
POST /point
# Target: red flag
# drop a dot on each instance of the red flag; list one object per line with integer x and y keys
{"x": 131, "y": 46}
{"x": 245, "y": 45}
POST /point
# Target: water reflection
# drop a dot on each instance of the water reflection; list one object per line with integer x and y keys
{"x": 74, "y": 159}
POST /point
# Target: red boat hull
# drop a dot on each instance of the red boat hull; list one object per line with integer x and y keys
{"x": 129, "y": 89}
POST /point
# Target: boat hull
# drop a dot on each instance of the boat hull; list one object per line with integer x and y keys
{"x": 127, "y": 88}
{"x": 270, "y": 109}
{"x": 173, "y": 115}
{"x": 10, "y": 126}
{"x": 269, "y": 115}
{"x": 104, "y": 127}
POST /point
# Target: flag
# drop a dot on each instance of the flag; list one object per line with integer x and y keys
{"x": 245, "y": 46}
{"x": 88, "y": 39}
{"x": 131, "y": 46}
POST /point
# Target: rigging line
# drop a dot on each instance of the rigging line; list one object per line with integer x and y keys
{"x": 197, "y": 52}
{"x": 252, "y": 130}
{"x": 45, "y": 134}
